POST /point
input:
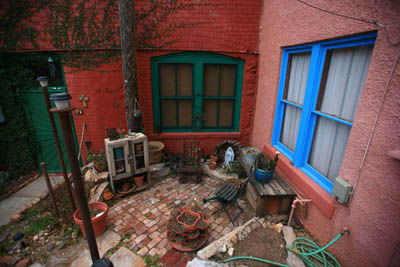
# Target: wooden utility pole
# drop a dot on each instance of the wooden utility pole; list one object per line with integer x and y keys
{"x": 128, "y": 50}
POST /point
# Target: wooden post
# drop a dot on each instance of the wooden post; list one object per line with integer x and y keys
{"x": 48, "y": 183}
{"x": 128, "y": 50}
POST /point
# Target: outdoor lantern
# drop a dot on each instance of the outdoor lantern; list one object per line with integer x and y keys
{"x": 61, "y": 100}
{"x": 43, "y": 81}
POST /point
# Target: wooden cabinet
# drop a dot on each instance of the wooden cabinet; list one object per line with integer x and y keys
{"x": 127, "y": 157}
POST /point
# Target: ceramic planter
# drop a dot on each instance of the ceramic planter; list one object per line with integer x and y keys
{"x": 139, "y": 180}
{"x": 263, "y": 176}
{"x": 98, "y": 222}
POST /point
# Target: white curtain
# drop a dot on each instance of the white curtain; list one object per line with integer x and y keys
{"x": 346, "y": 74}
{"x": 295, "y": 90}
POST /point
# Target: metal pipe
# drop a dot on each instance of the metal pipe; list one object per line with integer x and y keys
{"x": 58, "y": 147}
{"x": 65, "y": 122}
{"x": 48, "y": 183}
{"x": 297, "y": 200}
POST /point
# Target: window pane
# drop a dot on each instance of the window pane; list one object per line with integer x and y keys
{"x": 225, "y": 116}
{"x": 296, "y": 77}
{"x": 290, "y": 126}
{"x": 328, "y": 147}
{"x": 185, "y": 75}
{"x": 185, "y": 113}
{"x": 167, "y": 79}
{"x": 228, "y": 79}
{"x": 210, "y": 83}
{"x": 342, "y": 81}
{"x": 210, "y": 113}
{"x": 168, "y": 113}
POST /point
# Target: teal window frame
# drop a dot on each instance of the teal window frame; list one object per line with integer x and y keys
{"x": 198, "y": 60}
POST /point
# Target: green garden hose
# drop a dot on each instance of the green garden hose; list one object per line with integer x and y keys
{"x": 307, "y": 250}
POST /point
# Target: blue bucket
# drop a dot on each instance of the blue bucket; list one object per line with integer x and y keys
{"x": 263, "y": 176}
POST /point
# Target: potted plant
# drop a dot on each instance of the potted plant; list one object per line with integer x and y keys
{"x": 264, "y": 169}
{"x": 99, "y": 161}
{"x": 98, "y": 214}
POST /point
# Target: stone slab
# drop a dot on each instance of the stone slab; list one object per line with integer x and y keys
{"x": 32, "y": 192}
{"x": 203, "y": 263}
{"x": 292, "y": 259}
{"x": 123, "y": 257}
{"x": 105, "y": 242}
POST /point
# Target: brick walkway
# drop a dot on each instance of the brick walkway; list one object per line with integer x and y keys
{"x": 144, "y": 215}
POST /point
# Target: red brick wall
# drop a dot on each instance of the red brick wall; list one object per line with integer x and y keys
{"x": 226, "y": 27}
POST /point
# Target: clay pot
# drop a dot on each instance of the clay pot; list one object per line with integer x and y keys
{"x": 98, "y": 222}
{"x": 212, "y": 165}
{"x": 139, "y": 180}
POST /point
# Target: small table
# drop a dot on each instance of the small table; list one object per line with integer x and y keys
{"x": 273, "y": 197}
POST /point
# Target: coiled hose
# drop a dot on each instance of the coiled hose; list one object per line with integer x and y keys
{"x": 307, "y": 250}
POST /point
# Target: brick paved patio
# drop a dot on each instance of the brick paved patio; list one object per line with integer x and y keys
{"x": 144, "y": 215}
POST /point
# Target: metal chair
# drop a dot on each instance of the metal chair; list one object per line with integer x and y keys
{"x": 228, "y": 194}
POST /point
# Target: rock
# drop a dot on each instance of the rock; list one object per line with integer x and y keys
{"x": 97, "y": 196}
{"x": 18, "y": 236}
{"x": 222, "y": 248}
{"x": 278, "y": 227}
{"x": 241, "y": 237}
{"x": 4, "y": 236}
{"x": 125, "y": 257}
{"x": 36, "y": 265}
{"x": 50, "y": 247}
{"x": 254, "y": 226}
{"x": 261, "y": 220}
{"x": 234, "y": 239}
{"x": 7, "y": 261}
{"x": 202, "y": 263}
{"x": 41, "y": 233}
{"x": 62, "y": 245}
{"x": 16, "y": 218}
{"x": 35, "y": 238}
{"x": 24, "y": 263}
{"x": 230, "y": 252}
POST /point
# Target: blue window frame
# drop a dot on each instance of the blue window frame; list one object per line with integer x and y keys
{"x": 319, "y": 89}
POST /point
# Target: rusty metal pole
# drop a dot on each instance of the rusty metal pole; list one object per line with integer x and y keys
{"x": 58, "y": 146}
{"x": 65, "y": 121}
{"x": 48, "y": 183}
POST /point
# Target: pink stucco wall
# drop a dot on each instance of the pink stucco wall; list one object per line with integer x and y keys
{"x": 373, "y": 215}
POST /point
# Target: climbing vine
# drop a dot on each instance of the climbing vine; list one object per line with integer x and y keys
{"x": 84, "y": 34}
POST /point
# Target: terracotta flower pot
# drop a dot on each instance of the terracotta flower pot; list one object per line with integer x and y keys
{"x": 98, "y": 222}
{"x": 139, "y": 180}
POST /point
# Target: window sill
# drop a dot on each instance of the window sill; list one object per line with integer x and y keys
{"x": 205, "y": 135}
{"x": 303, "y": 184}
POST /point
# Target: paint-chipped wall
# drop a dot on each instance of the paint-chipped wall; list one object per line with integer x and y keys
{"x": 374, "y": 212}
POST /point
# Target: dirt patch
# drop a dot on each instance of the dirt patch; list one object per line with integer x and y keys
{"x": 262, "y": 243}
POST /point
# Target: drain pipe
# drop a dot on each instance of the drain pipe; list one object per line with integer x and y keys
{"x": 297, "y": 200}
